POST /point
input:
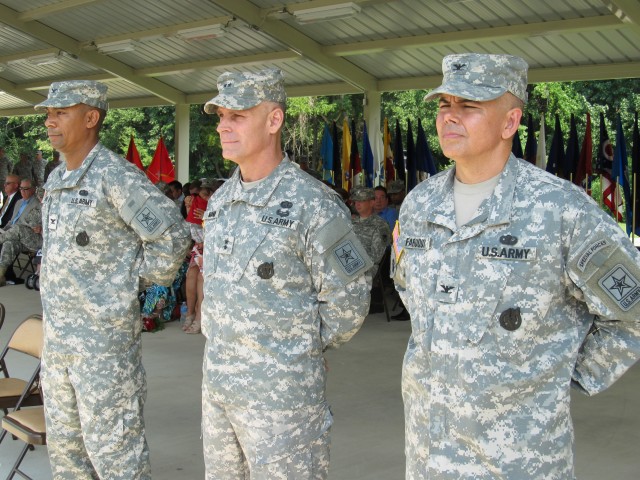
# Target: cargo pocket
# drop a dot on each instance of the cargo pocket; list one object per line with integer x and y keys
{"x": 294, "y": 454}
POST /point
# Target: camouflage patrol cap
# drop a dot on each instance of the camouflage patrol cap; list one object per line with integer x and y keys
{"x": 244, "y": 90}
{"x": 396, "y": 186}
{"x": 74, "y": 92}
{"x": 208, "y": 183}
{"x": 362, "y": 194}
{"x": 482, "y": 77}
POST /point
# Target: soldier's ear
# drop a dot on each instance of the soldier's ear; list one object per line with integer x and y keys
{"x": 92, "y": 117}
{"x": 512, "y": 122}
{"x": 276, "y": 119}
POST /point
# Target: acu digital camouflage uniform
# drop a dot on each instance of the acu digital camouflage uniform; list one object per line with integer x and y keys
{"x": 104, "y": 226}
{"x": 25, "y": 169}
{"x": 284, "y": 279}
{"x": 20, "y": 237}
{"x": 373, "y": 232}
{"x": 537, "y": 293}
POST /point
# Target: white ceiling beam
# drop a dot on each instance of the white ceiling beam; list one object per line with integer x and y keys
{"x": 483, "y": 34}
{"x": 270, "y": 57}
{"x": 54, "y": 8}
{"x": 627, "y": 10}
{"x": 44, "y": 83}
{"x": 606, "y": 71}
{"x": 25, "y": 55}
{"x": 63, "y": 42}
{"x": 162, "y": 31}
{"x": 298, "y": 42}
{"x": 12, "y": 89}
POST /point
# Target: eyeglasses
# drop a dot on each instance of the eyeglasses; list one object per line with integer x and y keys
{"x": 10, "y": 183}
{"x": 25, "y": 188}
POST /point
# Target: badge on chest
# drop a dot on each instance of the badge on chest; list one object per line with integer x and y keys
{"x": 82, "y": 198}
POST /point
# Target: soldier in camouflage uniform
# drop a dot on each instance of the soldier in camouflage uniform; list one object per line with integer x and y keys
{"x": 104, "y": 226}
{"x": 284, "y": 279}
{"x": 519, "y": 287}
{"x": 24, "y": 168}
{"x": 372, "y": 231}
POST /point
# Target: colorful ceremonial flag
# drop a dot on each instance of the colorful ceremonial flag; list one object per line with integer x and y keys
{"x": 635, "y": 175}
{"x": 346, "y": 153}
{"x": 530, "y": 147}
{"x": 337, "y": 163}
{"x": 161, "y": 167}
{"x": 619, "y": 173}
{"x": 398, "y": 155}
{"x": 367, "y": 158}
{"x": 556, "y": 153}
{"x": 516, "y": 145}
{"x": 584, "y": 170}
{"x": 389, "y": 171}
{"x": 412, "y": 174}
{"x": 354, "y": 158}
{"x": 572, "y": 154}
{"x": 541, "y": 151}
{"x": 132, "y": 154}
{"x": 424, "y": 159}
{"x": 326, "y": 152}
{"x": 604, "y": 164}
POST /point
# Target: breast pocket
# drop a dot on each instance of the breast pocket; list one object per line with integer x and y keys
{"x": 514, "y": 311}
{"x": 519, "y": 321}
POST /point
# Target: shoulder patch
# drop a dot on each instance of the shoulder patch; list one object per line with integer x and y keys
{"x": 349, "y": 258}
{"x": 621, "y": 286}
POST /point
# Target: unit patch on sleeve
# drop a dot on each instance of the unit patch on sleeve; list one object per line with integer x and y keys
{"x": 148, "y": 219}
{"x": 621, "y": 287}
{"x": 591, "y": 251}
{"x": 348, "y": 257}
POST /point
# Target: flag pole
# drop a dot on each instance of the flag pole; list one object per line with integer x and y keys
{"x": 616, "y": 192}
{"x": 633, "y": 209}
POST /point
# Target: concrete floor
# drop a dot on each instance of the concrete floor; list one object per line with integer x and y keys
{"x": 363, "y": 389}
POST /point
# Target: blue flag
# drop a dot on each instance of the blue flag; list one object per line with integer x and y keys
{"x": 531, "y": 147}
{"x": 337, "y": 161}
{"x": 398, "y": 154}
{"x": 424, "y": 159}
{"x": 367, "y": 158}
{"x": 619, "y": 173}
{"x": 556, "y": 154}
{"x": 516, "y": 145}
{"x": 412, "y": 174}
{"x": 326, "y": 152}
{"x": 572, "y": 154}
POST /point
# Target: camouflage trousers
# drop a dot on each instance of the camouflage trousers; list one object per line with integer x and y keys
{"x": 93, "y": 411}
{"x": 15, "y": 240}
{"x": 243, "y": 444}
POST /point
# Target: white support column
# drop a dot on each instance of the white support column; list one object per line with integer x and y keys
{"x": 372, "y": 106}
{"x": 182, "y": 143}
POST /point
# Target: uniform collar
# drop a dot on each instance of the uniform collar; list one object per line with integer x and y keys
{"x": 260, "y": 195}
{"x": 495, "y": 210}
{"x": 56, "y": 182}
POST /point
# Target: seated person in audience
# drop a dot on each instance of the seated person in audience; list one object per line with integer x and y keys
{"x": 23, "y": 233}
{"x": 382, "y": 208}
{"x": 372, "y": 231}
{"x": 12, "y": 197}
{"x": 194, "y": 282}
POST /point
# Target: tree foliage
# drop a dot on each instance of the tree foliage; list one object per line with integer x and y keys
{"x": 306, "y": 117}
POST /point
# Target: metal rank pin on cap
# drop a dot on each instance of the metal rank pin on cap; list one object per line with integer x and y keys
{"x": 482, "y": 77}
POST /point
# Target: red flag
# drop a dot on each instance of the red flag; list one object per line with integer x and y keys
{"x": 585, "y": 168}
{"x": 161, "y": 168}
{"x": 133, "y": 156}
{"x": 604, "y": 165}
